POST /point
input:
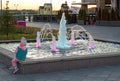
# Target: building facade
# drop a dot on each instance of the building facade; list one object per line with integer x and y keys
{"x": 111, "y": 3}
{"x": 100, "y": 3}
{"x": 64, "y": 6}
{"x": 41, "y": 10}
{"x": 47, "y": 9}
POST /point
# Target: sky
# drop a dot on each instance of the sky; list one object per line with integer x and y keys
{"x": 34, "y": 4}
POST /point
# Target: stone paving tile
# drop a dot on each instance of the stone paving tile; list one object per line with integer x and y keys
{"x": 40, "y": 80}
{"x": 97, "y": 75}
{"x": 105, "y": 73}
{"x": 112, "y": 79}
{"x": 92, "y": 80}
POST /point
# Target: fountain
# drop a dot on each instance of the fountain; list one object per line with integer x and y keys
{"x": 53, "y": 46}
{"x": 45, "y": 31}
{"x": 72, "y": 41}
{"x": 38, "y": 41}
{"x": 45, "y": 55}
{"x": 62, "y": 39}
{"x": 91, "y": 41}
{"x": 82, "y": 34}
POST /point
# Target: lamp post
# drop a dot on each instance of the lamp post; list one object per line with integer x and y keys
{"x": 7, "y": 8}
{"x": 1, "y": 6}
{"x": 16, "y": 5}
{"x": 7, "y": 2}
{"x": 51, "y": 12}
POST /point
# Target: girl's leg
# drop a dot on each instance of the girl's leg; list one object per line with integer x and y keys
{"x": 14, "y": 65}
{"x": 14, "y": 62}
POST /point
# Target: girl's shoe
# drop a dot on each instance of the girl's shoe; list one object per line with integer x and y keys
{"x": 15, "y": 71}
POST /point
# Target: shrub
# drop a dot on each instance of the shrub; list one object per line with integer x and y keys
{"x": 82, "y": 14}
{"x": 108, "y": 14}
{"x": 6, "y": 25}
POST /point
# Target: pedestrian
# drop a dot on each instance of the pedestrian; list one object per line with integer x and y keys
{"x": 20, "y": 55}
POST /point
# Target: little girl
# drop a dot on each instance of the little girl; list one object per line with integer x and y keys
{"x": 21, "y": 52}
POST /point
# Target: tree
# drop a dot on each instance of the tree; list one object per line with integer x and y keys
{"x": 6, "y": 19}
{"x": 114, "y": 14}
{"x": 82, "y": 14}
{"x": 108, "y": 14}
{"x": 67, "y": 15}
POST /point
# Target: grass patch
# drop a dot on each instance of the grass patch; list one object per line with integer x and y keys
{"x": 17, "y": 36}
{"x": 27, "y": 32}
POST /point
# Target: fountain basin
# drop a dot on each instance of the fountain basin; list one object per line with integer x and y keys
{"x": 63, "y": 61}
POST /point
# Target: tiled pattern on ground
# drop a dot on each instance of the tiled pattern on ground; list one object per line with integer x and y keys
{"x": 105, "y": 73}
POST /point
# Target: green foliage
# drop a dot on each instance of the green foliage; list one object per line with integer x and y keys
{"x": 67, "y": 15}
{"x": 19, "y": 17}
{"x": 114, "y": 14}
{"x": 108, "y": 14}
{"x": 60, "y": 14}
{"x": 82, "y": 14}
{"x": 27, "y": 32}
{"x": 6, "y": 24}
{"x": 105, "y": 14}
{"x": 55, "y": 32}
{"x": 17, "y": 36}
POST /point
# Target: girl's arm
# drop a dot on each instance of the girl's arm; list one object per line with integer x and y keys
{"x": 16, "y": 50}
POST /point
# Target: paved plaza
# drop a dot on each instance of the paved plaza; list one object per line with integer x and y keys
{"x": 103, "y": 73}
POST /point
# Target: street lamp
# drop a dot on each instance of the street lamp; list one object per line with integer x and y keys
{"x": 51, "y": 12}
{"x": 16, "y": 5}
{"x": 7, "y": 8}
{"x": 7, "y": 2}
{"x": 1, "y": 6}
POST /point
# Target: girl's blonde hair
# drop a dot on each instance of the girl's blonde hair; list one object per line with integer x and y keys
{"x": 23, "y": 40}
